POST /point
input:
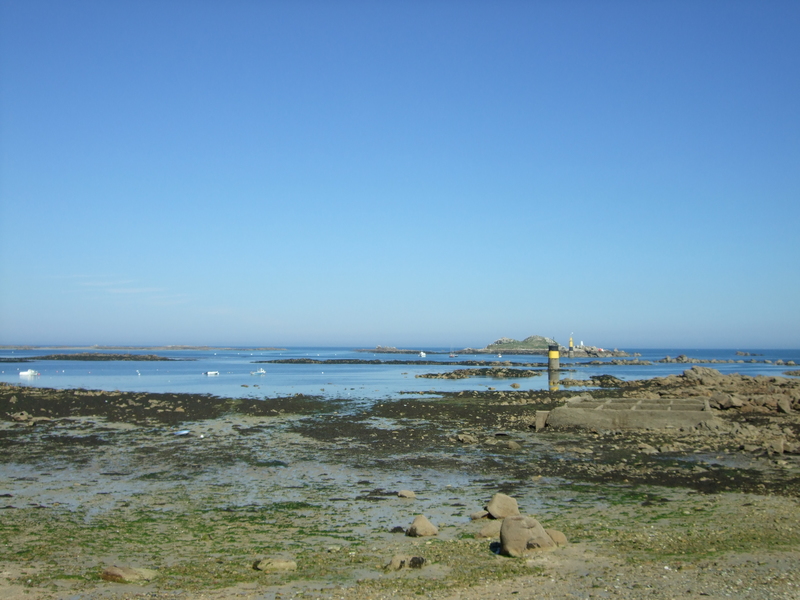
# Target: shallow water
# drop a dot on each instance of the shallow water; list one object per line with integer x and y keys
{"x": 367, "y": 381}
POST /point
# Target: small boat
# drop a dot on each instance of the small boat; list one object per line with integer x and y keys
{"x": 29, "y": 373}
{"x": 422, "y": 355}
{"x": 260, "y": 371}
{"x": 210, "y": 373}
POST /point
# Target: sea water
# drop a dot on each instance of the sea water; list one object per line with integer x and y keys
{"x": 355, "y": 381}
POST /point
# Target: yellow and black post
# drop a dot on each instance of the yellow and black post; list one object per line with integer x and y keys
{"x": 553, "y": 358}
{"x": 571, "y": 348}
{"x": 553, "y": 367}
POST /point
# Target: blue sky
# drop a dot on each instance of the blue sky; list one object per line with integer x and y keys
{"x": 400, "y": 173}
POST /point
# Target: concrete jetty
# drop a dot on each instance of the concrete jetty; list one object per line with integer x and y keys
{"x": 631, "y": 413}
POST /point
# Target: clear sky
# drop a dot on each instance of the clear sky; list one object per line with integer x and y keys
{"x": 401, "y": 173}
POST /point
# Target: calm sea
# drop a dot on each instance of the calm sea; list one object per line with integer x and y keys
{"x": 359, "y": 381}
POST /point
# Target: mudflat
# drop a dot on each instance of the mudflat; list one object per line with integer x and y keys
{"x": 195, "y": 490}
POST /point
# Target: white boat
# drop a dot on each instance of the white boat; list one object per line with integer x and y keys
{"x": 29, "y": 373}
{"x": 258, "y": 372}
{"x": 211, "y": 373}
{"x": 422, "y": 355}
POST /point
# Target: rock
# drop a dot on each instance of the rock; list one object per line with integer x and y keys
{"x": 541, "y": 419}
{"x": 422, "y": 527}
{"x": 790, "y": 448}
{"x": 647, "y": 449}
{"x": 275, "y": 564}
{"x": 466, "y": 438}
{"x": 502, "y": 506}
{"x": 730, "y": 401}
{"x": 784, "y": 405}
{"x": 481, "y": 514}
{"x": 719, "y": 400}
{"x": 490, "y": 530}
{"x": 126, "y": 574}
{"x": 406, "y": 494}
{"x": 512, "y": 445}
{"x": 21, "y": 417}
{"x": 774, "y": 446}
{"x": 520, "y": 535}
{"x": 404, "y": 561}
{"x": 704, "y": 375}
{"x": 515, "y": 386}
{"x": 558, "y": 538}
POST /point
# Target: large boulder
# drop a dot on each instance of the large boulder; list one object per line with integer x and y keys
{"x": 422, "y": 527}
{"x": 521, "y": 535}
{"x": 502, "y": 506}
{"x": 559, "y": 538}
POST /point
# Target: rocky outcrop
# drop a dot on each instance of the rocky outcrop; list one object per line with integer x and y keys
{"x": 495, "y": 372}
{"x": 683, "y": 359}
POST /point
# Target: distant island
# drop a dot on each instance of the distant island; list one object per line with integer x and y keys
{"x": 94, "y": 356}
{"x": 534, "y": 344}
{"x": 147, "y": 348}
{"x": 392, "y": 350}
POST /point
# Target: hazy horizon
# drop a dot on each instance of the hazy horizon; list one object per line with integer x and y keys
{"x": 441, "y": 347}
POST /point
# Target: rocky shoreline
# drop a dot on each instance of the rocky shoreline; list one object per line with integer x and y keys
{"x": 683, "y": 359}
{"x": 223, "y": 498}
